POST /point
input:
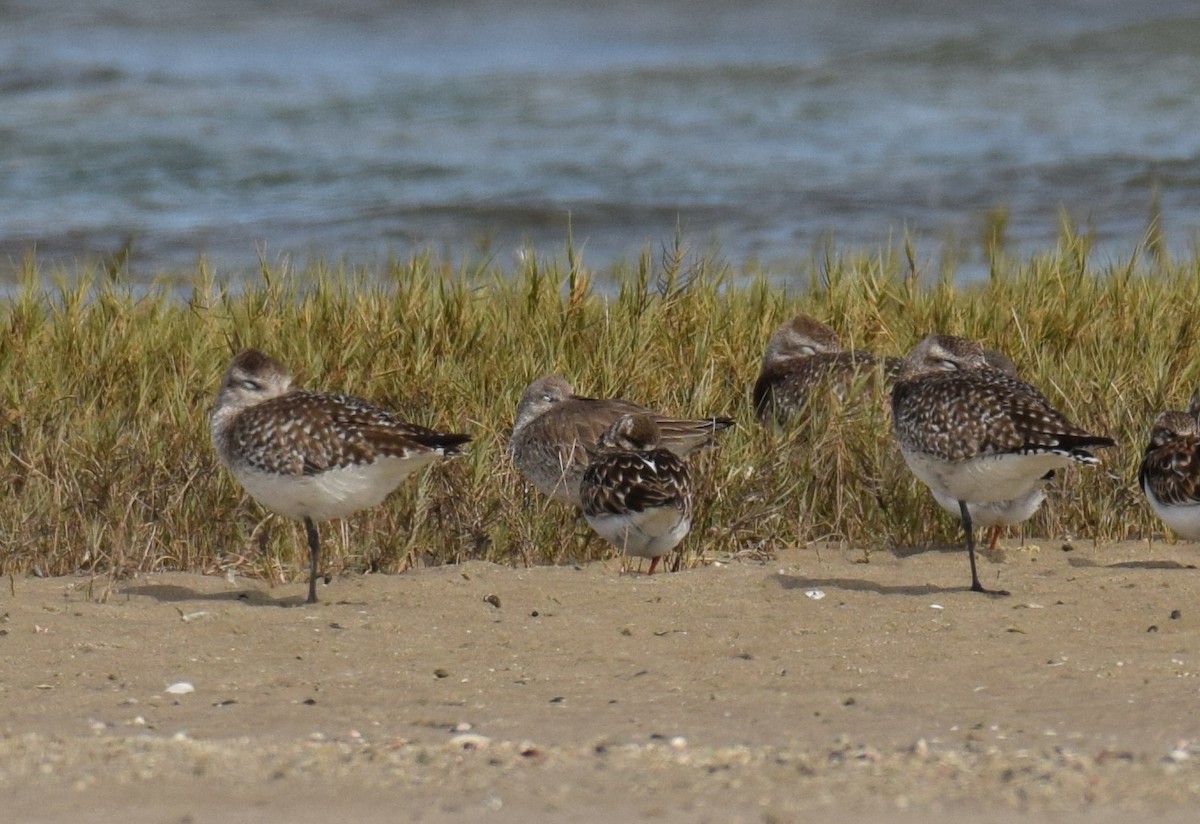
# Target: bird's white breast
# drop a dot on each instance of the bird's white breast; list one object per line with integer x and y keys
{"x": 995, "y": 513}
{"x": 986, "y": 478}
{"x": 647, "y": 534}
{"x": 334, "y": 493}
{"x": 1183, "y": 519}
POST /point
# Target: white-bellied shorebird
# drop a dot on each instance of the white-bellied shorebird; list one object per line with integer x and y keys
{"x": 976, "y": 434}
{"x": 313, "y": 456}
{"x": 1170, "y": 472}
{"x": 634, "y": 493}
{"x": 995, "y": 515}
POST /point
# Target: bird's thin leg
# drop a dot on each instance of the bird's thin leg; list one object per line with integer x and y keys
{"x": 965, "y": 514}
{"x": 970, "y": 530}
{"x": 653, "y": 563}
{"x": 995, "y": 536}
{"x": 314, "y": 551}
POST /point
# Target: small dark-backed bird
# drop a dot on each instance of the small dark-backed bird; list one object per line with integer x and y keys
{"x": 1170, "y": 472}
{"x": 634, "y": 493}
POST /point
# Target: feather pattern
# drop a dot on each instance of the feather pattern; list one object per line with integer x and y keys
{"x": 635, "y": 494}
{"x": 802, "y": 357}
{"x": 306, "y": 433}
{"x": 619, "y": 482}
{"x": 783, "y": 389}
{"x": 1169, "y": 474}
{"x": 952, "y": 406}
{"x": 267, "y": 432}
{"x": 557, "y": 431}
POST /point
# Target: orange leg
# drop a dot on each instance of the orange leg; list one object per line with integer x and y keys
{"x": 653, "y": 564}
{"x": 994, "y": 538}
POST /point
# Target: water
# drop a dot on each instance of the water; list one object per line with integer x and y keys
{"x": 355, "y": 130}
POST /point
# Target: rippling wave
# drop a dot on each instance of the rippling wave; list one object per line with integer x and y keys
{"x": 361, "y": 129}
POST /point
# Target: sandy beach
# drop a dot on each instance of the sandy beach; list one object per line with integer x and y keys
{"x": 813, "y": 685}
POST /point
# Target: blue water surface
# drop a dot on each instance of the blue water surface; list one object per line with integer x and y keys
{"x": 359, "y": 129}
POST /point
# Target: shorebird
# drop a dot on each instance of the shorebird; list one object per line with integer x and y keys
{"x": 556, "y": 429}
{"x": 976, "y": 434}
{"x": 313, "y": 456}
{"x": 995, "y": 515}
{"x": 634, "y": 493}
{"x": 803, "y": 355}
{"x": 1170, "y": 472}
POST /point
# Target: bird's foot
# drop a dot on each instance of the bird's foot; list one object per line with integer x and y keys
{"x": 998, "y": 593}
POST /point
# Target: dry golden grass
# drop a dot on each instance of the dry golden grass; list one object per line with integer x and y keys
{"x": 107, "y": 467}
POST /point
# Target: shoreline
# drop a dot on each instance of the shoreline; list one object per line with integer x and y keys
{"x": 725, "y": 692}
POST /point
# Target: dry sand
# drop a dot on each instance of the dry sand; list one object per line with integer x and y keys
{"x": 724, "y": 693}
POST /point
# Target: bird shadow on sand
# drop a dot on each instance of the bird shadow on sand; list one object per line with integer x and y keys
{"x": 1150, "y": 564}
{"x": 861, "y": 585}
{"x": 171, "y": 594}
{"x": 909, "y": 551}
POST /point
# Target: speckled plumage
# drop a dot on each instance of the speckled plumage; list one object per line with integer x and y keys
{"x": 950, "y": 405}
{"x": 310, "y": 455}
{"x": 556, "y": 430}
{"x": 802, "y": 356}
{"x": 1169, "y": 474}
{"x": 306, "y": 433}
{"x": 636, "y": 495}
{"x": 975, "y": 434}
{"x": 997, "y": 514}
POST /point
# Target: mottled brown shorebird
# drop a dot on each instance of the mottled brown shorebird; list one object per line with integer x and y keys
{"x": 976, "y": 434}
{"x": 994, "y": 515}
{"x": 801, "y": 357}
{"x": 313, "y": 456}
{"x": 634, "y": 493}
{"x": 556, "y": 430}
{"x": 1170, "y": 472}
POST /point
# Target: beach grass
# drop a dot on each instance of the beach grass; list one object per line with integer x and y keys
{"x": 107, "y": 466}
